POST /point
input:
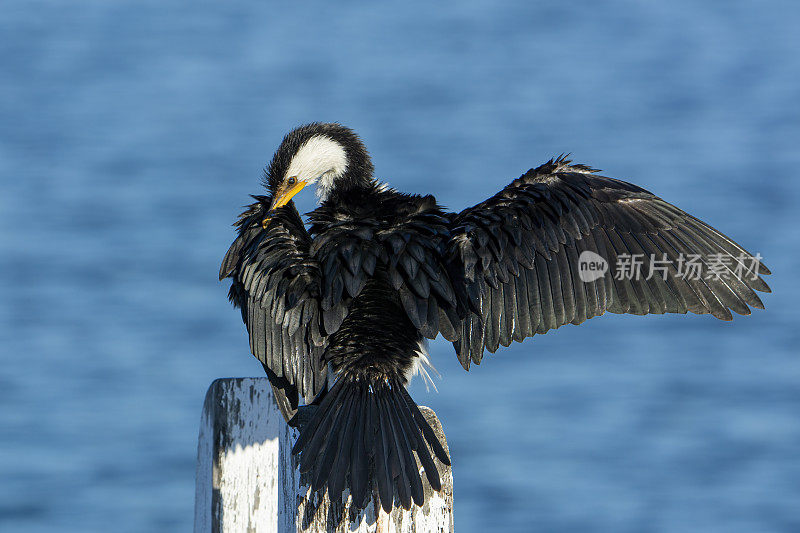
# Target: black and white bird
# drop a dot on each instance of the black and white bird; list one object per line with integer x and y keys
{"x": 338, "y": 313}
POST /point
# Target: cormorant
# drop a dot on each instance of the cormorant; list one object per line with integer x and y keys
{"x": 339, "y": 313}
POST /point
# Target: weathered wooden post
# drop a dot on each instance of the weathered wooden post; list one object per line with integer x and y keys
{"x": 247, "y": 479}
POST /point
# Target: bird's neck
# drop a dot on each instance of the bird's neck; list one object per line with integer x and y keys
{"x": 351, "y": 190}
{"x": 350, "y": 203}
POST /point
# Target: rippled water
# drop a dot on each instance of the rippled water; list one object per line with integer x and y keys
{"x": 132, "y": 132}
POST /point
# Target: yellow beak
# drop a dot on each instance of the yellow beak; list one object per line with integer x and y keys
{"x": 282, "y": 197}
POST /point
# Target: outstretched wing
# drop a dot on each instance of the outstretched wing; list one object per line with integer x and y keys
{"x": 521, "y": 254}
{"x": 277, "y": 286}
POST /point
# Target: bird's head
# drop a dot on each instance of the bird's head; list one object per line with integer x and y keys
{"x": 329, "y": 156}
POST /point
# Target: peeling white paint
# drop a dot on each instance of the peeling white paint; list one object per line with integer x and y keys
{"x": 247, "y": 479}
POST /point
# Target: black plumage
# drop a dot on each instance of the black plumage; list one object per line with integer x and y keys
{"x": 338, "y": 313}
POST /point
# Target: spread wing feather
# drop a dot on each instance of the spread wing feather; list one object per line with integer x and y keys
{"x": 276, "y": 284}
{"x": 518, "y": 253}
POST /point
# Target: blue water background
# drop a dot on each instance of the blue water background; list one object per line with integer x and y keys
{"x": 131, "y": 132}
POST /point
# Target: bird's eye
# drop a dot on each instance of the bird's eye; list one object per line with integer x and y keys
{"x": 292, "y": 180}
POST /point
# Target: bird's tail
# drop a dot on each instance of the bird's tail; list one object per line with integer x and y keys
{"x": 367, "y": 429}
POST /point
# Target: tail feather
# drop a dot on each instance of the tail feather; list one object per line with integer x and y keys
{"x": 324, "y": 432}
{"x": 322, "y": 469}
{"x": 427, "y": 430}
{"x": 361, "y": 423}
{"x": 421, "y": 448}
{"x": 336, "y": 481}
{"x": 411, "y": 477}
{"x": 400, "y": 455}
{"x": 359, "y": 459}
{"x": 380, "y": 447}
{"x": 310, "y": 429}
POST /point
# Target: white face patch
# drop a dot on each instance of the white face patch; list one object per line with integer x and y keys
{"x": 320, "y": 160}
